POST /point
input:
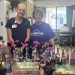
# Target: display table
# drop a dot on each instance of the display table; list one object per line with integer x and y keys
{"x": 65, "y": 70}
{"x": 64, "y": 74}
{"x": 25, "y": 68}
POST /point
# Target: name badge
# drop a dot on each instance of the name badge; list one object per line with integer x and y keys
{"x": 14, "y": 26}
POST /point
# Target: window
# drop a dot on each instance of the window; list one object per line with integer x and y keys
{"x": 56, "y": 17}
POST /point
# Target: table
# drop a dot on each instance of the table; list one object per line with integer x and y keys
{"x": 26, "y": 69}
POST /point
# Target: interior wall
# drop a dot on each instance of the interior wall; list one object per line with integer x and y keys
{"x": 50, "y": 3}
{"x": 29, "y": 8}
{"x": 2, "y": 20}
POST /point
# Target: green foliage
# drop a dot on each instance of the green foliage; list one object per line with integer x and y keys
{"x": 57, "y": 60}
{"x": 1, "y": 68}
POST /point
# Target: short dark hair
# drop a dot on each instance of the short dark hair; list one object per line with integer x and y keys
{"x": 37, "y": 11}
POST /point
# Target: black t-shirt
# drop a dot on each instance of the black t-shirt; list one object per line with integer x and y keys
{"x": 19, "y": 31}
{"x": 41, "y": 33}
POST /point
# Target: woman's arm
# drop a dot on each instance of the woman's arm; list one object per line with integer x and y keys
{"x": 9, "y": 35}
{"x": 51, "y": 41}
{"x": 28, "y": 35}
